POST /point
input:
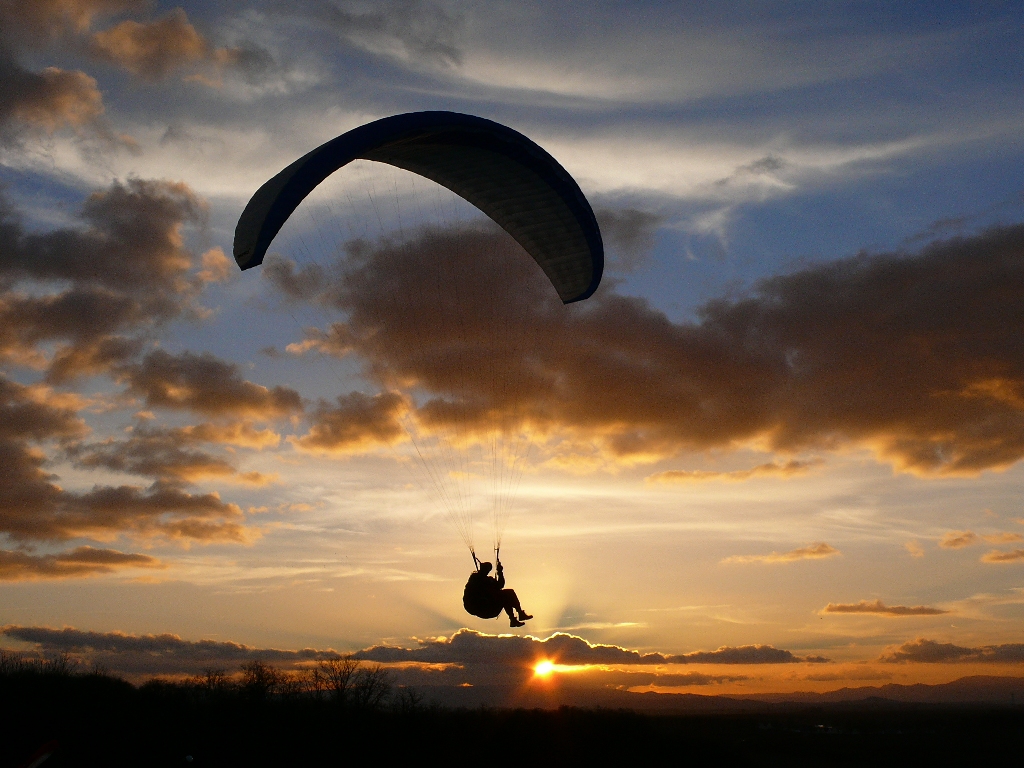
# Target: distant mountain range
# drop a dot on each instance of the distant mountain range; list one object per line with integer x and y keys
{"x": 975, "y": 690}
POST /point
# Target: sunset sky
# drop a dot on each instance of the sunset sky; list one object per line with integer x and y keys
{"x": 786, "y": 430}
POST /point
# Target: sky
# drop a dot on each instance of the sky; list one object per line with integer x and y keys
{"x": 786, "y": 430}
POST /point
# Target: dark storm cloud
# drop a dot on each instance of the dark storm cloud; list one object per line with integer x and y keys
{"x": 470, "y": 647}
{"x": 83, "y": 561}
{"x": 205, "y": 384}
{"x": 930, "y": 651}
{"x": 879, "y": 608}
{"x": 912, "y": 355}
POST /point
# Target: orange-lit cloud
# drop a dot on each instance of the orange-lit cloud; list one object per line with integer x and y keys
{"x": 168, "y": 455}
{"x": 930, "y": 651}
{"x": 207, "y": 385}
{"x": 911, "y": 356}
{"x": 356, "y": 422}
{"x": 1002, "y": 538}
{"x": 37, "y": 509}
{"x": 50, "y": 99}
{"x": 470, "y": 647}
{"x": 123, "y": 273}
{"x": 75, "y": 563}
{"x": 958, "y": 539}
{"x": 879, "y": 608}
{"x": 34, "y": 22}
{"x": 771, "y": 469}
{"x": 998, "y": 556}
{"x": 914, "y": 548}
{"x": 811, "y": 552}
{"x": 152, "y": 50}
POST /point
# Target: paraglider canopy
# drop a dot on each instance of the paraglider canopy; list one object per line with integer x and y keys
{"x": 500, "y": 171}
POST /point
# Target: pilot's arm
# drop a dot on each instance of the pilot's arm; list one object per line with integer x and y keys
{"x": 501, "y": 576}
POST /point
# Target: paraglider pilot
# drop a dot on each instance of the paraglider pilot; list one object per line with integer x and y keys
{"x": 485, "y": 596}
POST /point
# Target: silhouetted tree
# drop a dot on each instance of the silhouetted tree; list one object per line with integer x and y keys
{"x": 212, "y": 681}
{"x": 260, "y": 680}
{"x": 337, "y": 675}
{"x": 371, "y": 687}
{"x": 407, "y": 699}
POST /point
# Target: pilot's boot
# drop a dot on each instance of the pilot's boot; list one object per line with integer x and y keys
{"x": 514, "y": 623}
{"x": 524, "y": 616}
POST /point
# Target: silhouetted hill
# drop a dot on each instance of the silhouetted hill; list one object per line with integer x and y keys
{"x": 977, "y": 689}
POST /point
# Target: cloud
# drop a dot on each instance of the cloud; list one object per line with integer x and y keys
{"x": 881, "y": 609}
{"x": 410, "y": 30}
{"x": 154, "y": 654}
{"x": 357, "y": 421}
{"x": 484, "y": 659}
{"x": 152, "y": 50}
{"x": 75, "y": 563}
{"x": 205, "y": 384}
{"x": 165, "y": 454}
{"x": 932, "y": 652}
{"x": 47, "y": 100}
{"x": 125, "y": 271}
{"x": 52, "y": 98}
{"x": 470, "y": 647}
{"x": 958, "y": 539}
{"x": 771, "y": 469}
{"x": 997, "y": 556}
{"x": 810, "y": 552}
{"x": 35, "y": 508}
{"x": 1002, "y": 538}
{"x": 909, "y": 355}
{"x": 914, "y": 548}
{"x": 36, "y": 22}
{"x": 628, "y": 235}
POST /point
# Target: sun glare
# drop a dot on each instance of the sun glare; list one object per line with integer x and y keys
{"x": 544, "y": 668}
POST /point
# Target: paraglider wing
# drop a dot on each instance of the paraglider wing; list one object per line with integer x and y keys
{"x": 500, "y": 171}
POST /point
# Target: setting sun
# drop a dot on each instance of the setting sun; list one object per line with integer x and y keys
{"x": 544, "y": 668}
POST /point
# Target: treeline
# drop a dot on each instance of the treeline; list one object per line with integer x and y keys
{"x": 339, "y": 712}
{"x": 255, "y": 715}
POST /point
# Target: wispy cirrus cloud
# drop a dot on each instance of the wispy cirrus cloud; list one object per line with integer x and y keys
{"x": 878, "y": 608}
{"x": 792, "y": 468}
{"x": 817, "y": 551}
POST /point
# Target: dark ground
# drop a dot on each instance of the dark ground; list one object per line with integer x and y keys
{"x": 103, "y": 721}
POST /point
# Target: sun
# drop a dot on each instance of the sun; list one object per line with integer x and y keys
{"x": 544, "y": 668}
